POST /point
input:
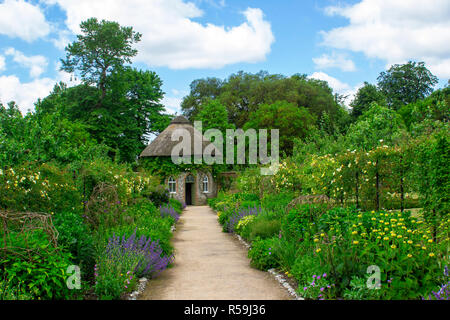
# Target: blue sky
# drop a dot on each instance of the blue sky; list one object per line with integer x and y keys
{"x": 344, "y": 42}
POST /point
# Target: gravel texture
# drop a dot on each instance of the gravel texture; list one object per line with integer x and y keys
{"x": 210, "y": 265}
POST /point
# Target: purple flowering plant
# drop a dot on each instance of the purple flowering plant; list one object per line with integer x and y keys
{"x": 319, "y": 288}
{"x": 444, "y": 290}
{"x": 238, "y": 215}
{"x": 169, "y": 211}
{"x": 123, "y": 260}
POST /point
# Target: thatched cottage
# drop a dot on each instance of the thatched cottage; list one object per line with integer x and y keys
{"x": 192, "y": 188}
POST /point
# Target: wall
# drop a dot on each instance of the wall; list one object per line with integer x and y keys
{"x": 199, "y": 198}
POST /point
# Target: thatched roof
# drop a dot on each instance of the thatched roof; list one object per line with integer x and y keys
{"x": 162, "y": 146}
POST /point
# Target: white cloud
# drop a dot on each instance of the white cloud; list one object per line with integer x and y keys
{"x": 36, "y": 64}
{"x": 2, "y": 63}
{"x": 171, "y": 38}
{"x": 334, "y": 60}
{"x": 24, "y": 94}
{"x": 338, "y": 86}
{"x": 334, "y": 83}
{"x": 396, "y": 31}
{"x": 22, "y": 20}
{"x": 172, "y": 104}
{"x": 62, "y": 40}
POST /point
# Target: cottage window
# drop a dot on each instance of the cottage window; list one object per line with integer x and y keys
{"x": 205, "y": 184}
{"x": 172, "y": 185}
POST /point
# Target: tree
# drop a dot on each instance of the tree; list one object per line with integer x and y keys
{"x": 131, "y": 110}
{"x": 243, "y": 93}
{"x": 214, "y": 115}
{"x": 292, "y": 121}
{"x": 101, "y": 48}
{"x": 134, "y": 101}
{"x": 435, "y": 107}
{"x": 364, "y": 97}
{"x": 406, "y": 83}
{"x": 377, "y": 123}
{"x": 202, "y": 90}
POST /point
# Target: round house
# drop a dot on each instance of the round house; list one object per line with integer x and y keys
{"x": 192, "y": 188}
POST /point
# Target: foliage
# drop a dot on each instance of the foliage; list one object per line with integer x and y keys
{"x": 158, "y": 195}
{"x": 364, "y": 98}
{"x": 358, "y": 290}
{"x": 214, "y": 115}
{"x": 42, "y": 272}
{"x": 123, "y": 259}
{"x": 261, "y": 254}
{"x": 102, "y": 47}
{"x": 243, "y": 226}
{"x": 38, "y": 188}
{"x": 75, "y": 237}
{"x": 141, "y": 219}
{"x": 433, "y": 176}
{"x": 59, "y": 140}
{"x": 378, "y": 123}
{"x": 168, "y": 211}
{"x": 264, "y": 228}
{"x": 291, "y": 120}
{"x": 243, "y": 93}
{"x": 444, "y": 291}
{"x": 10, "y": 292}
{"x": 349, "y": 241}
{"x": 237, "y": 215}
{"x": 422, "y": 112}
{"x": 319, "y": 288}
{"x": 406, "y": 83}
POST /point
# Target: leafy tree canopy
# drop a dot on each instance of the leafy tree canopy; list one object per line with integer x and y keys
{"x": 214, "y": 115}
{"x": 364, "y": 97}
{"x": 377, "y": 123}
{"x": 406, "y": 83}
{"x": 243, "y": 93}
{"x": 100, "y": 48}
{"x": 291, "y": 120}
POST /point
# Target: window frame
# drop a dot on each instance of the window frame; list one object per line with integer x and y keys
{"x": 172, "y": 181}
{"x": 205, "y": 181}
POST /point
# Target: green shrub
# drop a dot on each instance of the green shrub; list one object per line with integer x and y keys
{"x": 286, "y": 252}
{"x": 300, "y": 222}
{"x": 38, "y": 188}
{"x": 261, "y": 254}
{"x": 358, "y": 290}
{"x": 77, "y": 239}
{"x": 12, "y": 292}
{"x": 243, "y": 227}
{"x": 158, "y": 195}
{"x": 277, "y": 202}
{"x": 176, "y": 204}
{"x": 42, "y": 271}
{"x": 264, "y": 229}
{"x": 146, "y": 220}
{"x": 305, "y": 266}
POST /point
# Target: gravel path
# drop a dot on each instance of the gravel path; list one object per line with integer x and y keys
{"x": 210, "y": 265}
